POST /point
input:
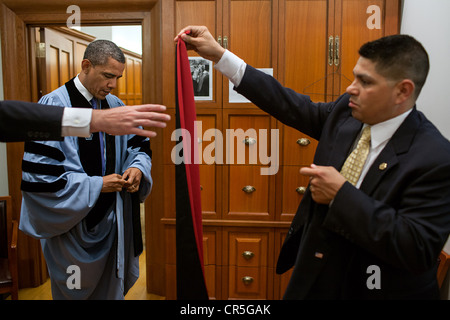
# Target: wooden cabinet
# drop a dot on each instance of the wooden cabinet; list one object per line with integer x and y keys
{"x": 308, "y": 45}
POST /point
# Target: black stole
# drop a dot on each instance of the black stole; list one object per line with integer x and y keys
{"x": 91, "y": 158}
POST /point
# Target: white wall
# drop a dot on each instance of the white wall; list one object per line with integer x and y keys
{"x": 429, "y": 23}
{"x": 128, "y": 37}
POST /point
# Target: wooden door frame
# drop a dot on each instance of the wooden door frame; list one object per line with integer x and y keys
{"x": 16, "y": 16}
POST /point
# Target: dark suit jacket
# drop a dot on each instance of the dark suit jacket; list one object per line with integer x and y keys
{"x": 398, "y": 220}
{"x": 25, "y": 121}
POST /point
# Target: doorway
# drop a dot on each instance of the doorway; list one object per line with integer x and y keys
{"x": 58, "y": 52}
{"x": 17, "y": 18}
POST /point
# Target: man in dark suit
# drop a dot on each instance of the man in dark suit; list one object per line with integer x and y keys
{"x": 25, "y": 121}
{"x": 379, "y": 236}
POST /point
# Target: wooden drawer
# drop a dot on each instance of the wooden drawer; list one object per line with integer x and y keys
{"x": 247, "y": 283}
{"x": 293, "y": 186}
{"x": 247, "y": 137}
{"x": 298, "y": 148}
{"x": 248, "y": 249}
{"x": 249, "y": 195}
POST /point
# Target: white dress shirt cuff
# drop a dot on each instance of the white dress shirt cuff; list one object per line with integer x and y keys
{"x": 76, "y": 122}
{"x": 232, "y": 67}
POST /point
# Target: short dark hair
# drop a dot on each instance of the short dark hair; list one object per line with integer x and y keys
{"x": 99, "y": 51}
{"x": 399, "y": 57}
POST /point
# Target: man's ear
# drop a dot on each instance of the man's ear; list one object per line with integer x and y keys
{"x": 405, "y": 91}
{"x": 85, "y": 65}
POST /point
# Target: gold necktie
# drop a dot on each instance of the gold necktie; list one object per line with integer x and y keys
{"x": 352, "y": 167}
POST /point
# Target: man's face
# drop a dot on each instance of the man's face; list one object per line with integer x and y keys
{"x": 101, "y": 79}
{"x": 373, "y": 97}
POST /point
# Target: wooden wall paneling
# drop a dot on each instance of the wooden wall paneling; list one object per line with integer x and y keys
{"x": 121, "y": 90}
{"x": 154, "y": 64}
{"x": 170, "y": 271}
{"x": 138, "y": 81}
{"x": 58, "y": 60}
{"x": 130, "y": 78}
{"x": 51, "y": 6}
{"x": 168, "y": 139}
{"x": 168, "y": 52}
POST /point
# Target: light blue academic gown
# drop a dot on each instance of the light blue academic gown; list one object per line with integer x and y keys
{"x": 104, "y": 254}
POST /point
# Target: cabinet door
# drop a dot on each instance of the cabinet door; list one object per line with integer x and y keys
{"x": 303, "y": 59}
{"x": 250, "y": 31}
{"x": 202, "y": 13}
{"x": 362, "y": 21}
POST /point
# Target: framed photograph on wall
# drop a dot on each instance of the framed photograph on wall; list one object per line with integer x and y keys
{"x": 201, "y": 71}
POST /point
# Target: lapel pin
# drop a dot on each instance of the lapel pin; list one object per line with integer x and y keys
{"x": 318, "y": 255}
{"x": 383, "y": 166}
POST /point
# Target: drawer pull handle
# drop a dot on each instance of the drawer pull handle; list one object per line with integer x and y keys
{"x": 248, "y": 189}
{"x": 247, "y": 280}
{"x": 248, "y": 255}
{"x": 303, "y": 142}
{"x": 300, "y": 190}
{"x": 249, "y": 141}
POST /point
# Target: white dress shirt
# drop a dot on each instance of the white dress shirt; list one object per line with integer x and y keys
{"x": 380, "y": 134}
{"x": 233, "y": 68}
{"x": 77, "y": 121}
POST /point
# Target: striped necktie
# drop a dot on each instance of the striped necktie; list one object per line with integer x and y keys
{"x": 352, "y": 167}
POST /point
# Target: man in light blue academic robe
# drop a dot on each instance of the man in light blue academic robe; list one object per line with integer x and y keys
{"x": 81, "y": 195}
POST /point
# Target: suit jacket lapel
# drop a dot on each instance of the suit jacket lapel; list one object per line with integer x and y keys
{"x": 399, "y": 143}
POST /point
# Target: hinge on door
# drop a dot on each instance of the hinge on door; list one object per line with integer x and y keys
{"x": 336, "y": 51}
{"x": 330, "y": 50}
{"x": 40, "y": 50}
